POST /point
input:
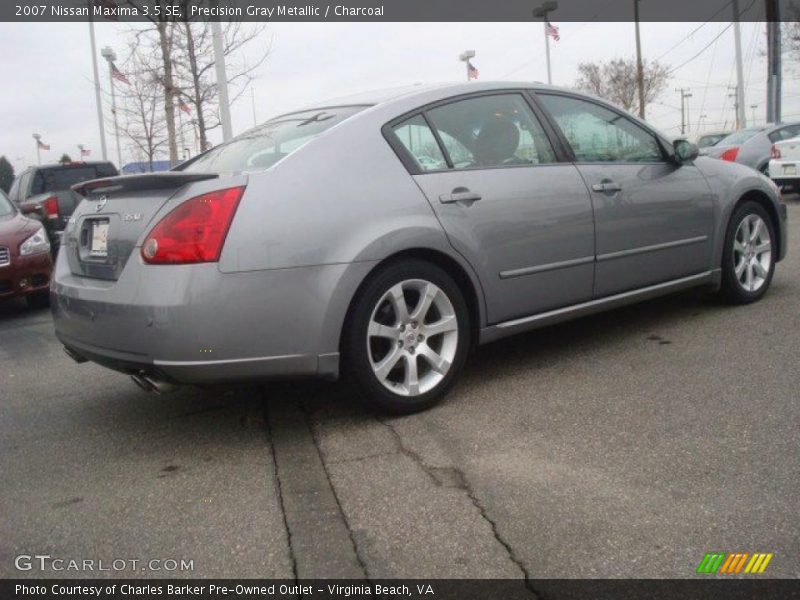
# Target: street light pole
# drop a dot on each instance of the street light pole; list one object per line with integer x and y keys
{"x": 541, "y": 12}
{"x": 111, "y": 56}
{"x": 37, "y": 137}
{"x": 464, "y": 57}
{"x": 97, "y": 99}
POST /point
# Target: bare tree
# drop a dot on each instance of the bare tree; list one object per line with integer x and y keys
{"x": 139, "y": 115}
{"x": 161, "y": 36}
{"x": 615, "y": 80}
{"x": 194, "y": 68}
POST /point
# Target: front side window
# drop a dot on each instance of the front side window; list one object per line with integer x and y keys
{"x": 491, "y": 131}
{"x": 597, "y": 134}
{"x": 6, "y": 208}
{"x": 263, "y": 146}
{"x": 419, "y": 141}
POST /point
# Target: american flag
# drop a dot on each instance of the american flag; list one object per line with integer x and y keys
{"x": 85, "y": 151}
{"x": 552, "y": 31}
{"x": 42, "y": 145}
{"x": 118, "y": 75}
{"x": 472, "y": 71}
{"x": 184, "y": 107}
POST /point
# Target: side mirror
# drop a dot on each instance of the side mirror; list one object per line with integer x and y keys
{"x": 685, "y": 151}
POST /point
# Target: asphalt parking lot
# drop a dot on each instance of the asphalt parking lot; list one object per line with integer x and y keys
{"x": 621, "y": 445}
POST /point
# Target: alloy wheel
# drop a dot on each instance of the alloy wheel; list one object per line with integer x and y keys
{"x": 752, "y": 253}
{"x": 412, "y": 337}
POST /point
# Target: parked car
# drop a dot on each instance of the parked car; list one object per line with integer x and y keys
{"x": 752, "y": 146}
{"x": 320, "y": 243}
{"x": 25, "y": 263}
{"x": 784, "y": 166}
{"x": 707, "y": 139}
{"x": 43, "y": 192}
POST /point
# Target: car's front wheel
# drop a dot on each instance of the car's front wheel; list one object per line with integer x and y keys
{"x": 407, "y": 337}
{"x": 748, "y": 260}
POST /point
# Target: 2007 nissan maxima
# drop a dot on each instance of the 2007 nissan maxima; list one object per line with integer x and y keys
{"x": 384, "y": 235}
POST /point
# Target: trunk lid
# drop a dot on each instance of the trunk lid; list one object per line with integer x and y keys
{"x": 103, "y": 231}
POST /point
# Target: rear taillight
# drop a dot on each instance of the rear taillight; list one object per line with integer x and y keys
{"x": 195, "y": 231}
{"x": 50, "y": 207}
{"x": 730, "y": 154}
{"x": 775, "y": 152}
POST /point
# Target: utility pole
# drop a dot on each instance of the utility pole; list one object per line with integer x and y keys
{"x": 735, "y": 96}
{"x": 542, "y": 12}
{"x": 773, "y": 62}
{"x": 253, "y": 98}
{"x": 111, "y": 56}
{"x": 639, "y": 66}
{"x": 753, "y": 107}
{"x": 222, "y": 80}
{"x": 741, "y": 119}
{"x": 684, "y": 108}
{"x": 97, "y": 99}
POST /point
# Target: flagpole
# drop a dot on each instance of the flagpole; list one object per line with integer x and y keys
{"x": 97, "y": 86}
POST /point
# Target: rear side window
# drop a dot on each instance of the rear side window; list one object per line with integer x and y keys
{"x": 263, "y": 146}
{"x": 784, "y": 133}
{"x": 740, "y": 137}
{"x": 491, "y": 131}
{"x": 58, "y": 179}
{"x": 418, "y": 140}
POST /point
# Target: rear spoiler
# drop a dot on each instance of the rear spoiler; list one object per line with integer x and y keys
{"x": 145, "y": 181}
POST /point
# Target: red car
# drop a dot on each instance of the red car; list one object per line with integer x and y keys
{"x": 25, "y": 262}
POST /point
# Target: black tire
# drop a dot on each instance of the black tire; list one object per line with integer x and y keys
{"x": 732, "y": 291}
{"x": 356, "y": 348}
{"x": 38, "y": 300}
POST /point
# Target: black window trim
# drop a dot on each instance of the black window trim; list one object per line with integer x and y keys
{"x": 410, "y": 164}
{"x": 666, "y": 155}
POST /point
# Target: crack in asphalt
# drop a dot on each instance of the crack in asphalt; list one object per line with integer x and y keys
{"x": 454, "y": 477}
{"x": 321, "y": 452}
{"x": 279, "y": 488}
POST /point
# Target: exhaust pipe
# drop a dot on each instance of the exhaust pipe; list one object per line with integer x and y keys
{"x": 74, "y": 355}
{"x": 152, "y": 386}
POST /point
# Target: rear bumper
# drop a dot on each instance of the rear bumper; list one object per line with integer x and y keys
{"x": 26, "y": 275}
{"x": 195, "y": 324}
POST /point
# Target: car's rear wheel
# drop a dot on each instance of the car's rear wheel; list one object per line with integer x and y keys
{"x": 748, "y": 260}
{"x": 407, "y": 337}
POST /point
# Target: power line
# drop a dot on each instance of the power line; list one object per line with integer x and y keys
{"x": 696, "y": 29}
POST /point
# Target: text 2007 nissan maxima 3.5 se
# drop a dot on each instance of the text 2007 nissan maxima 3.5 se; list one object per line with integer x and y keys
{"x": 384, "y": 235}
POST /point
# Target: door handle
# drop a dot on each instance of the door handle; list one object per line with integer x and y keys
{"x": 606, "y": 186}
{"x": 460, "y": 195}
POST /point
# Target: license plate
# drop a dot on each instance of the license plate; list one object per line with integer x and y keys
{"x": 790, "y": 169}
{"x": 99, "y": 246}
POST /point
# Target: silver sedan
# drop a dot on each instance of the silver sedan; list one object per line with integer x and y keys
{"x": 385, "y": 235}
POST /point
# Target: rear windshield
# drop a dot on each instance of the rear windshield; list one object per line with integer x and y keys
{"x": 263, "y": 146}
{"x": 740, "y": 136}
{"x": 57, "y": 179}
{"x": 6, "y": 208}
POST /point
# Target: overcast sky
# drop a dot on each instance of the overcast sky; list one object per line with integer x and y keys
{"x": 48, "y": 75}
